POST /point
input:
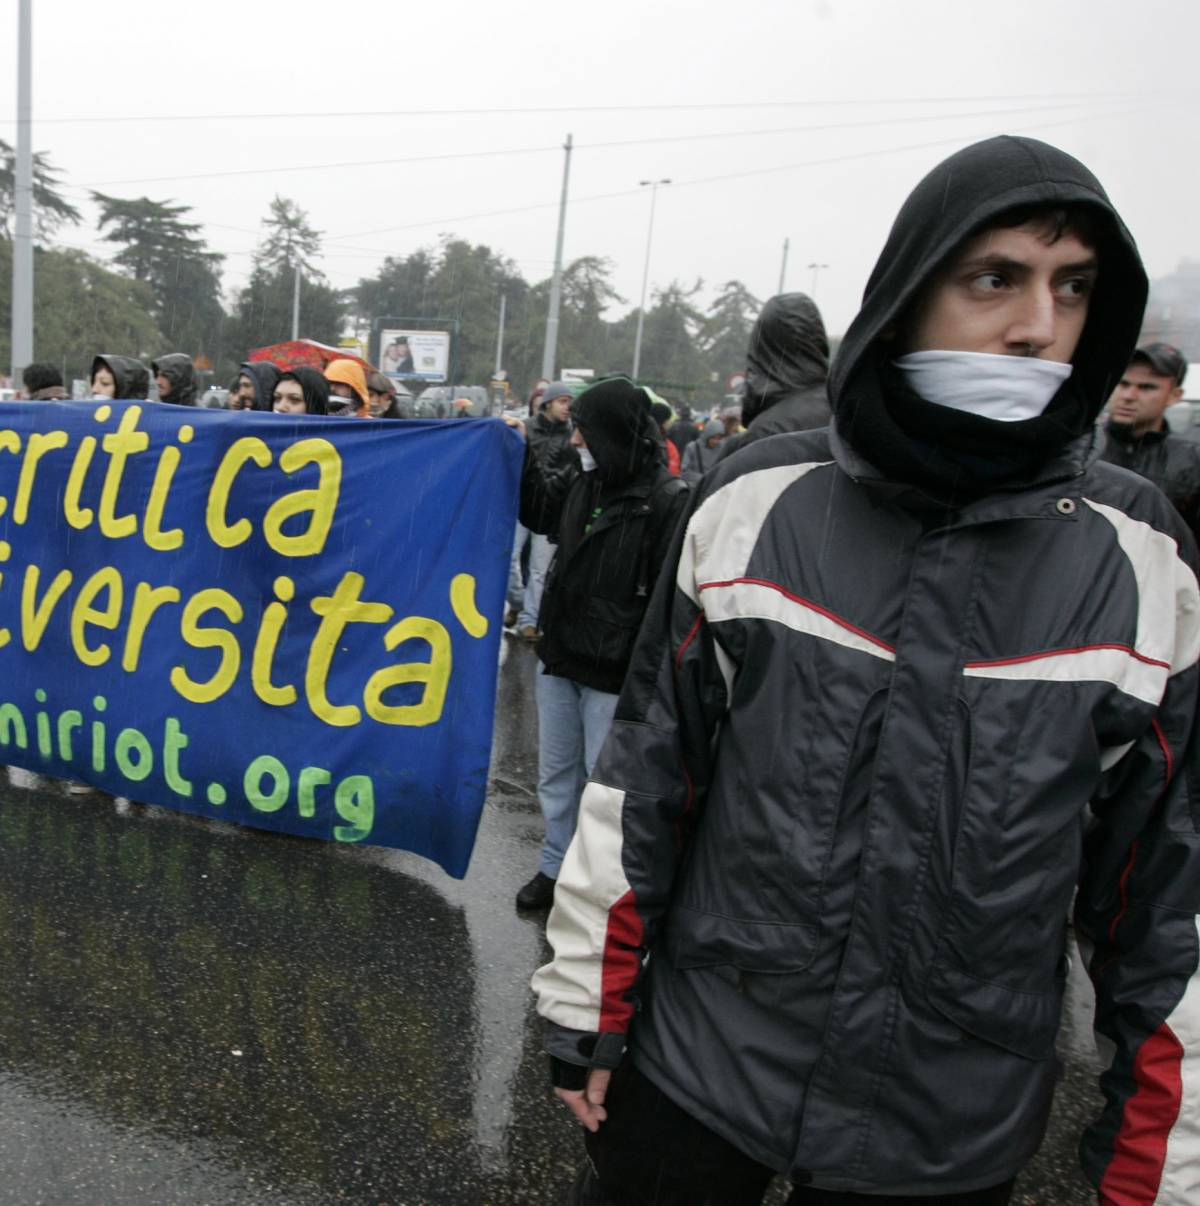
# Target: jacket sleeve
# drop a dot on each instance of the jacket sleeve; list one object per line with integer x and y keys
{"x": 1136, "y": 919}
{"x": 635, "y": 815}
{"x": 543, "y": 491}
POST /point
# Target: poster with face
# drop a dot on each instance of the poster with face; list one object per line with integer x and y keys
{"x": 415, "y": 355}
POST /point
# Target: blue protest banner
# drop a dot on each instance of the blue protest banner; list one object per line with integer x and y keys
{"x": 290, "y": 622}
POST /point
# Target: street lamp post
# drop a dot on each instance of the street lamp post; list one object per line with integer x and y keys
{"x": 816, "y": 269}
{"x": 637, "y": 343}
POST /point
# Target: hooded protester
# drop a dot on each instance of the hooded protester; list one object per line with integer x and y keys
{"x": 119, "y": 377}
{"x": 613, "y": 510}
{"x": 43, "y": 383}
{"x": 175, "y": 378}
{"x": 348, "y": 393}
{"x": 255, "y": 385}
{"x": 787, "y": 364}
{"x": 909, "y": 686}
{"x": 702, "y": 454}
{"x": 301, "y": 391}
{"x": 664, "y": 417}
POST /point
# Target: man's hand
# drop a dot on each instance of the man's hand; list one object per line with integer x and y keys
{"x": 588, "y": 1104}
{"x": 518, "y": 426}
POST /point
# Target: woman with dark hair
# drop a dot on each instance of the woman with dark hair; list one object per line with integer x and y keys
{"x": 119, "y": 377}
{"x": 301, "y": 391}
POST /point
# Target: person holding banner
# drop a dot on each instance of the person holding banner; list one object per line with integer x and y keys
{"x": 347, "y": 389}
{"x": 301, "y": 391}
{"x": 614, "y": 509}
{"x": 119, "y": 377}
{"x": 176, "y": 380}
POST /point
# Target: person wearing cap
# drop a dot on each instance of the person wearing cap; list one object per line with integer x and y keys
{"x": 43, "y": 383}
{"x": 348, "y": 394}
{"x": 702, "y": 454}
{"x": 912, "y": 687}
{"x": 549, "y": 436}
{"x": 381, "y": 396}
{"x": 1139, "y": 436}
{"x": 612, "y": 509}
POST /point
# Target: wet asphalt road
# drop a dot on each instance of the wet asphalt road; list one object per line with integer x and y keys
{"x": 195, "y": 1013}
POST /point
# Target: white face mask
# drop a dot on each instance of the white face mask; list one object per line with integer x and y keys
{"x": 586, "y": 460}
{"x": 1005, "y": 388}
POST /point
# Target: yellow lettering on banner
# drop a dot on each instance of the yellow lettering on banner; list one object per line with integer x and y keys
{"x": 320, "y": 502}
{"x": 120, "y": 445}
{"x": 248, "y": 448}
{"x": 152, "y": 532}
{"x": 9, "y": 442}
{"x": 435, "y": 674}
{"x": 338, "y": 610}
{"x": 68, "y": 722}
{"x": 213, "y": 599}
{"x": 462, "y": 600}
{"x": 147, "y": 600}
{"x": 35, "y": 614}
{"x": 77, "y": 516}
{"x": 40, "y": 442}
{"x": 83, "y": 614}
{"x": 273, "y": 620}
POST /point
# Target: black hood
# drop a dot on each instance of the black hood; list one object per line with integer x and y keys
{"x": 614, "y": 418}
{"x": 132, "y": 376}
{"x": 265, "y": 376}
{"x": 177, "y": 368}
{"x": 788, "y": 352}
{"x": 961, "y": 196}
{"x": 314, "y": 385}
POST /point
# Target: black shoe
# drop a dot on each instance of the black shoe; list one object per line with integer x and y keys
{"x": 538, "y": 893}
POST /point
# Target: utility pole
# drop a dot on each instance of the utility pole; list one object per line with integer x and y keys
{"x": 22, "y": 277}
{"x": 783, "y": 266}
{"x": 550, "y": 350}
{"x": 296, "y": 306}
{"x": 500, "y": 340}
{"x": 816, "y": 269}
{"x": 637, "y": 343}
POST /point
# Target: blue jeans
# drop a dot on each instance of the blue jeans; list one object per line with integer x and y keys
{"x": 573, "y": 721}
{"x": 541, "y": 553}
{"x": 516, "y": 579}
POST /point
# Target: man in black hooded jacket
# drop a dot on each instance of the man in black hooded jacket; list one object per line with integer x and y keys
{"x": 612, "y": 510}
{"x": 787, "y": 363}
{"x": 175, "y": 378}
{"x": 908, "y": 686}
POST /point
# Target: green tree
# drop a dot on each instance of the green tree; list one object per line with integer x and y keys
{"x": 51, "y": 210}
{"x": 81, "y": 308}
{"x": 158, "y": 246}
{"x": 291, "y": 241}
{"x": 672, "y": 351}
{"x": 725, "y": 331}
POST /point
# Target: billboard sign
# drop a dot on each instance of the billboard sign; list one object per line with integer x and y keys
{"x": 415, "y": 355}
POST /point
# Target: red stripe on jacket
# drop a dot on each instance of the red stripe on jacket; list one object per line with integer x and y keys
{"x": 1140, "y": 1149}
{"x": 621, "y": 965}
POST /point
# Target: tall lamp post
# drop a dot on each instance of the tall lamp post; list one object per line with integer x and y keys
{"x": 637, "y": 343}
{"x": 816, "y": 269}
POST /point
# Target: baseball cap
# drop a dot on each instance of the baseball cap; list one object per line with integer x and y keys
{"x": 1164, "y": 358}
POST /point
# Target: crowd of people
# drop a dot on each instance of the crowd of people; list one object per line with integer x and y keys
{"x": 343, "y": 387}
{"x": 852, "y": 701}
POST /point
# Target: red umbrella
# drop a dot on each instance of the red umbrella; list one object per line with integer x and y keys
{"x": 309, "y": 352}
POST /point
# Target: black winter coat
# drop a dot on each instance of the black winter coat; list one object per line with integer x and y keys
{"x": 612, "y": 541}
{"x": 873, "y": 742}
{"x": 1171, "y": 463}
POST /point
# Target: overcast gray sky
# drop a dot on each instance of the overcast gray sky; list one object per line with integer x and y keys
{"x": 823, "y": 115}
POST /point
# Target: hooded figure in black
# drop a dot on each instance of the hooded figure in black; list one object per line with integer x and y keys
{"x": 613, "y": 510}
{"x": 910, "y": 686}
{"x": 314, "y": 385}
{"x": 787, "y": 363}
{"x": 131, "y": 377}
{"x": 176, "y": 368}
{"x": 951, "y": 454}
{"x": 265, "y": 376}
